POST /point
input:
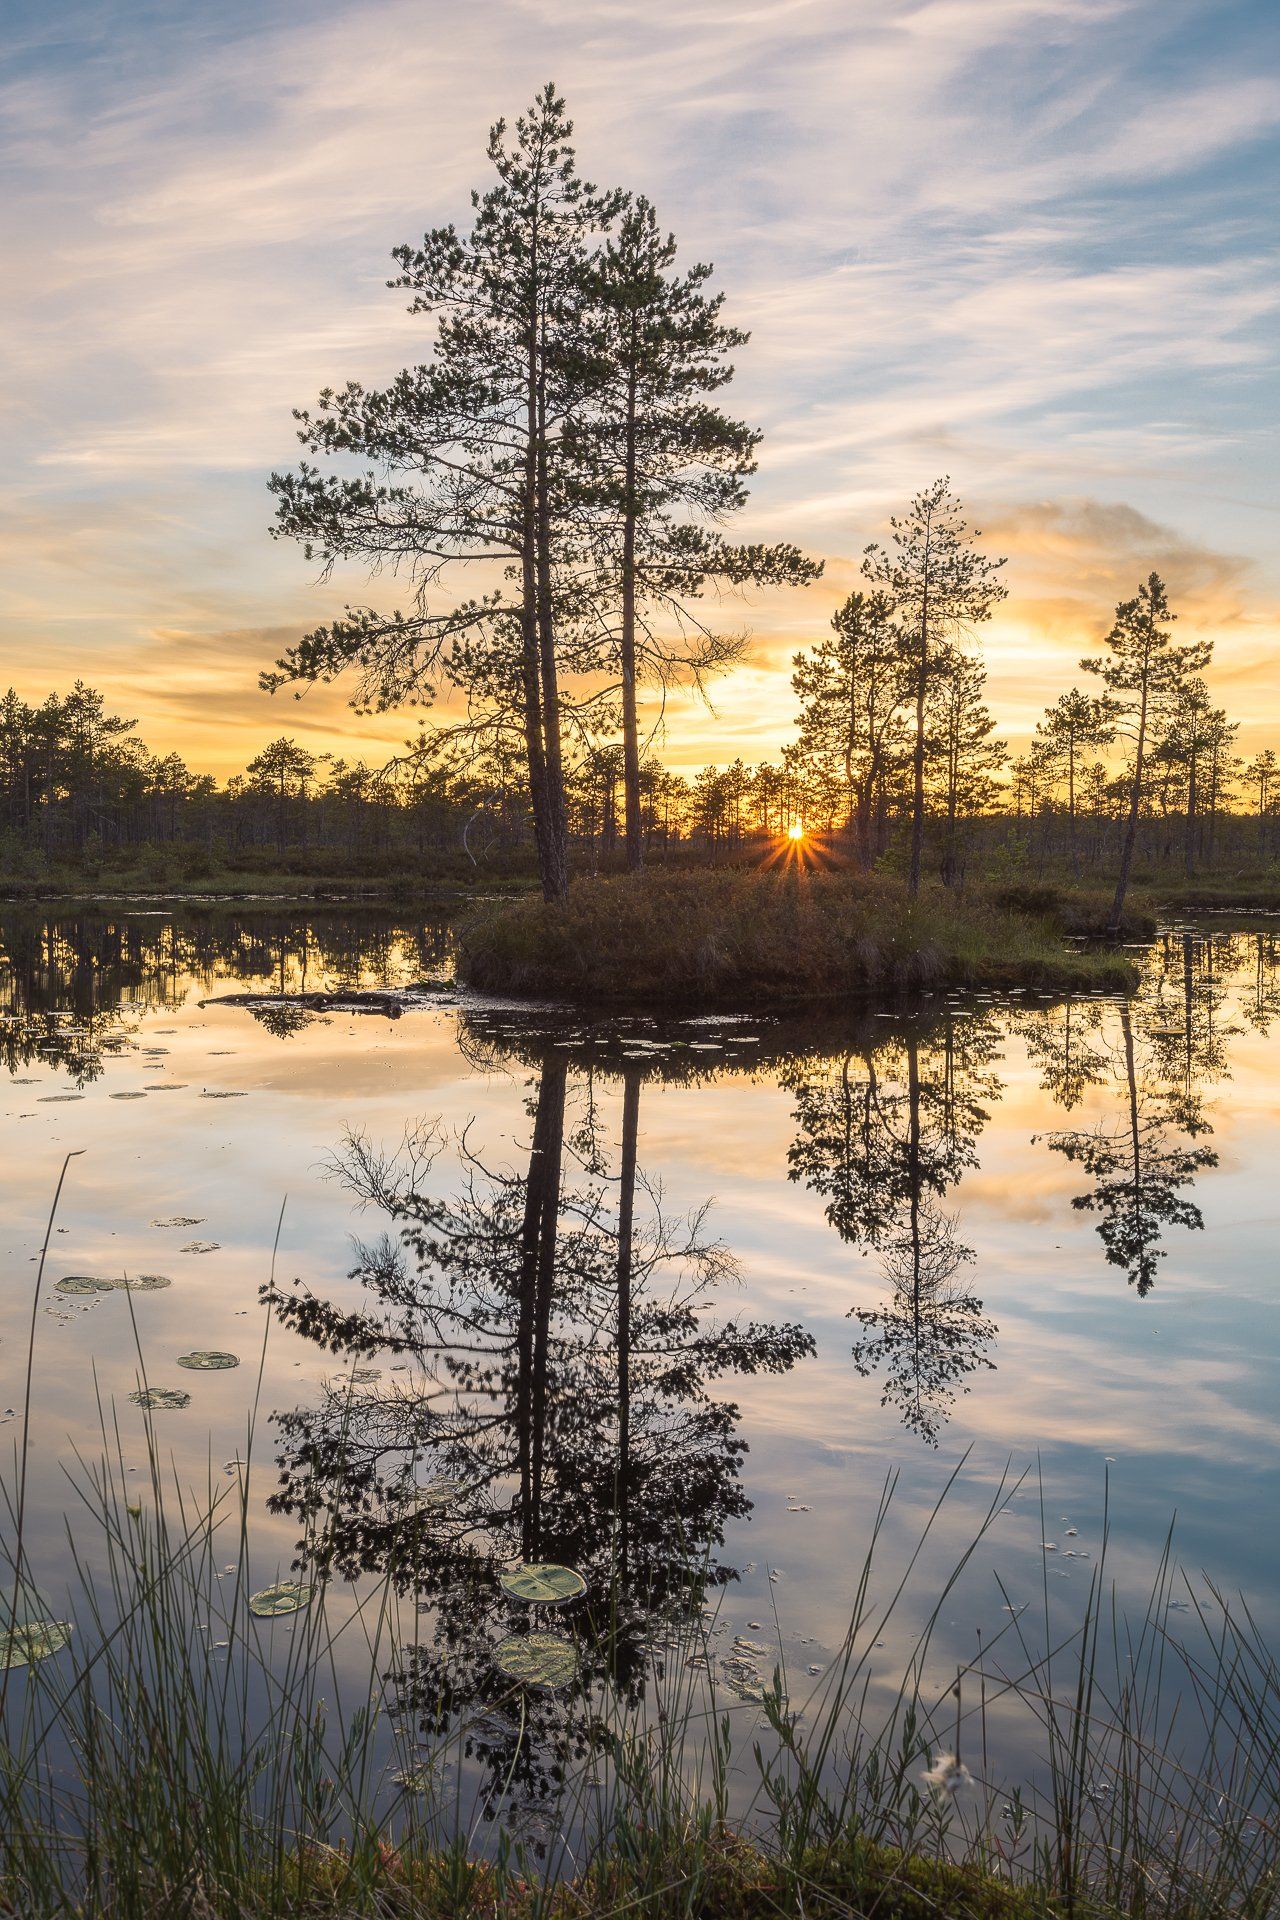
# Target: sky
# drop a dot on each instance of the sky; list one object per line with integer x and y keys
{"x": 1029, "y": 243}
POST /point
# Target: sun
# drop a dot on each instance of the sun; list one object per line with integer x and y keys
{"x": 795, "y": 831}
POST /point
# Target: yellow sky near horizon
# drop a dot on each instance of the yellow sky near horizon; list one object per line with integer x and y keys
{"x": 193, "y": 688}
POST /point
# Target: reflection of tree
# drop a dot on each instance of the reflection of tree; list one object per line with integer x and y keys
{"x": 556, "y": 1404}
{"x": 1179, "y": 1009}
{"x": 1065, "y": 1043}
{"x": 883, "y": 1135}
{"x": 1260, "y": 1000}
{"x": 1139, "y": 1164}
{"x": 75, "y": 982}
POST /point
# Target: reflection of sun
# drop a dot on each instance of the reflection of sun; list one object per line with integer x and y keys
{"x": 795, "y": 831}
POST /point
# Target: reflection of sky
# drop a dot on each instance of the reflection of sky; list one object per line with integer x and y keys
{"x": 1031, "y": 242}
{"x": 1176, "y": 1390}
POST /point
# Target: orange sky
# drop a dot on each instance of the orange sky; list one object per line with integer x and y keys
{"x": 964, "y": 237}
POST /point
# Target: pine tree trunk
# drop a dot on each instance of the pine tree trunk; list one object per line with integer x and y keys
{"x": 1131, "y": 825}
{"x": 556, "y": 878}
{"x": 630, "y": 720}
{"x": 530, "y": 680}
{"x": 917, "y": 799}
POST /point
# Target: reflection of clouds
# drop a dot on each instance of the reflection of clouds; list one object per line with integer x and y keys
{"x": 200, "y": 214}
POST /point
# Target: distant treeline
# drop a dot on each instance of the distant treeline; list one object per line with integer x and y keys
{"x": 79, "y": 788}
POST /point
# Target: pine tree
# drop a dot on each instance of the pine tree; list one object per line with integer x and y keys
{"x": 467, "y": 467}
{"x": 1142, "y": 673}
{"x": 1075, "y": 725}
{"x": 664, "y": 469}
{"x": 966, "y": 754}
{"x": 940, "y": 585}
{"x": 852, "y": 691}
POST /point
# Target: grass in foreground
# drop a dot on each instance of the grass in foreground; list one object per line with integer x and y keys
{"x": 180, "y": 1757}
{"x": 725, "y": 937}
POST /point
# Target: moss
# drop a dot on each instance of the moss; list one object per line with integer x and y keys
{"x": 762, "y": 938}
{"x": 719, "y": 1878}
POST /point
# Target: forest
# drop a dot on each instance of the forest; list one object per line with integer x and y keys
{"x": 81, "y": 793}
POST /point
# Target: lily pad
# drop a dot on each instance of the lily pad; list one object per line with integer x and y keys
{"x": 180, "y": 1220}
{"x": 436, "y": 1496}
{"x": 84, "y": 1283}
{"x": 157, "y": 1398}
{"x": 364, "y": 1376}
{"x": 208, "y": 1361}
{"x": 537, "y": 1659}
{"x": 126, "y": 1096}
{"x": 287, "y": 1596}
{"x": 200, "y": 1246}
{"x": 143, "y": 1282}
{"x": 542, "y": 1584}
{"x": 32, "y": 1640}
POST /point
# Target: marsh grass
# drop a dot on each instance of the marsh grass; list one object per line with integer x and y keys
{"x": 748, "y": 937}
{"x": 180, "y": 1757}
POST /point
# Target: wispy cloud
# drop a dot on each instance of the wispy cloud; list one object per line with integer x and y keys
{"x": 1020, "y": 239}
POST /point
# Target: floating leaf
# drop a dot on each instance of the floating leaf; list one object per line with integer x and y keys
{"x": 418, "y": 1777}
{"x": 181, "y": 1220}
{"x": 160, "y": 1397}
{"x": 542, "y": 1584}
{"x": 287, "y": 1596}
{"x": 436, "y": 1495}
{"x": 199, "y": 1246}
{"x": 84, "y": 1283}
{"x": 537, "y": 1659}
{"x": 143, "y": 1282}
{"x": 209, "y": 1361}
{"x": 126, "y": 1096}
{"x": 32, "y": 1640}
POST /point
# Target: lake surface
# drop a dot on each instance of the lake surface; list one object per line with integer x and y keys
{"x": 674, "y": 1293}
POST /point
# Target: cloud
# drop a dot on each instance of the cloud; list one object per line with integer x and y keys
{"x": 1017, "y": 239}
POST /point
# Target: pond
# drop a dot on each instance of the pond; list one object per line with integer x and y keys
{"x": 644, "y": 1295}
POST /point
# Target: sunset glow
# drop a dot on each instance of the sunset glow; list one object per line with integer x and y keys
{"x": 1034, "y": 257}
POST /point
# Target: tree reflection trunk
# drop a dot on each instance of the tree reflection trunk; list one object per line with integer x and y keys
{"x": 626, "y": 1229}
{"x": 537, "y": 1283}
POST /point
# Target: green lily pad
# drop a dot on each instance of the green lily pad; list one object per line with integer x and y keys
{"x": 142, "y": 1282}
{"x": 32, "y": 1640}
{"x": 287, "y": 1596}
{"x": 542, "y": 1584}
{"x": 84, "y": 1283}
{"x": 208, "y": 1361}
{"x": 537, "y": 1659}
{"x": 160, "y": 1397}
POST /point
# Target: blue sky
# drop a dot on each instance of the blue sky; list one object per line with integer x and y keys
{"x": 1028, "y": 242}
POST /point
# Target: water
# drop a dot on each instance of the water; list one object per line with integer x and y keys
{"x": 1012, "y": 1232}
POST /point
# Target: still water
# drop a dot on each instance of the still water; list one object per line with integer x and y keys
{"x": 633, "y": 1295}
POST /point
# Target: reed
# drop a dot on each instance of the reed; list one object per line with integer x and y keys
{"x": 182, "y": 1757}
